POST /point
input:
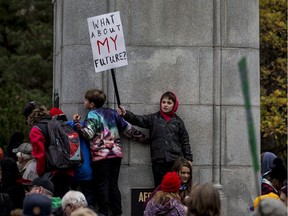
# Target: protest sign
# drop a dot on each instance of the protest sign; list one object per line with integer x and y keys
{"x": 107, "y": 41}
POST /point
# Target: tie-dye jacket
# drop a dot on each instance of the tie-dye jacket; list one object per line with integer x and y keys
{"x": 102, "y": 127}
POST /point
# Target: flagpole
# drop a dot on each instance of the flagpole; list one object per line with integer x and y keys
{"x": 242, "y": 65}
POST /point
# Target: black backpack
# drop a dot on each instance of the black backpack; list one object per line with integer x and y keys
{"x": 62, "y": 144}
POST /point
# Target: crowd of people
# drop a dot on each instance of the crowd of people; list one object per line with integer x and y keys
{"x": 30, "y": 187}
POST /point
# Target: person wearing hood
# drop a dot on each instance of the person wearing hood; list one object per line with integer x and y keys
{"x": 169, "y": 138}
{"x": 267, "y": 159}
{"x": 167, "y": 201}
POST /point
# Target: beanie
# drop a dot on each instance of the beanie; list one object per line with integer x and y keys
{"x": 171, "y": 182}
{"x": 56, "y": 111}
{"x": 37, "y": 204}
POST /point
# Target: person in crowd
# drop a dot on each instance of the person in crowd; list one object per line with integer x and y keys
{"x": 45, "y": 186}
{"x": 37, "y": 205}
{"x": 283, "y": 195}
{"x": 16, "y": 139}
{"x": 258, "y": 199}
{"x": 39, "y": 138}
{"x": 166, "y": 201}
{"x": 26, "y": 163}
{"x": 101, "y": 130}
{"x": 10, "y": 181}
{"x": 183, "y": 168}
{"x": 6, "y": 205}
{"x": 276, "y": 178}
{"x": 270, "y": 207}
{"x": 204, "y": 200}
{"x": 83, "y": 212}
{"x": 267, "y": 159}
{"x": 83, "y": 178}
{"x": 168, "y": 135}
{"x": 73, "y": 200}
{"x": 1, "y": 153}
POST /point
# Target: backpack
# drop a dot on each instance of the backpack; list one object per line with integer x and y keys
{"x": 62, "y": 146}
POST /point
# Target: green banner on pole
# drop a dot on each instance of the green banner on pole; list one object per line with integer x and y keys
{"x": 242, "y": 64}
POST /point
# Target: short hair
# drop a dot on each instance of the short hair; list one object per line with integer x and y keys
{"x": 75, "y": 198}
{"x": 98, "y": 97}
{"x": 169, "y": 95}
{"x": 204, "y": 199}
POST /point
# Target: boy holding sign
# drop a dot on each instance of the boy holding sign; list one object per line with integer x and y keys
{"x": 168, "y": 135}
{"x": 101, "y": 127}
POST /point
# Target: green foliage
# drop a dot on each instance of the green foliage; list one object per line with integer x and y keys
{"x": 26, "y": 37}
{"x": 273, "y": 78}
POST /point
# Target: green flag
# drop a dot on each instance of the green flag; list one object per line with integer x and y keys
{"x": 242, "y": 64}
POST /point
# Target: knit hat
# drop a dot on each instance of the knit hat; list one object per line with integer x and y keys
{"x": 37, "y": 205}
{"x": 56, "y": 111}
{"x": 171, "y": 182}
{"x": 29, "y": 107}
{"x": 43, "y": 182}
{"x": 25, "y": 148}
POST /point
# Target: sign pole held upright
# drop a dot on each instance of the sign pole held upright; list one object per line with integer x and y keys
{"x": 115, "y": 87}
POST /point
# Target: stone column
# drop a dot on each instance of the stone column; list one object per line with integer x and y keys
{"x": 191, "y": 47}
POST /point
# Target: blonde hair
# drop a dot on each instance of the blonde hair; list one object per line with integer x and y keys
{"x": 162, "y": 197}
{"x": 83, "y": 212}
{"x": 204, "y": 200}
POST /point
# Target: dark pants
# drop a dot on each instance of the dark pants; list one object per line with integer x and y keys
{"x": 159, "y": 170}
{"x": 87, "y": 187}
{"x": 62, "y": 184}
{"x": 106, "y": 173}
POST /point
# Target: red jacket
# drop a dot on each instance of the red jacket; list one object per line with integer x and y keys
{"x": 37, "y": 140}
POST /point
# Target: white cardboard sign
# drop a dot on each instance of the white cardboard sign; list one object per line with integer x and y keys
{"x": 107, "y": 41}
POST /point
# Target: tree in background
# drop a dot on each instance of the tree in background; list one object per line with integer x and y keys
{"x": 273, "y": 66}
{"x": 26, "y": 61}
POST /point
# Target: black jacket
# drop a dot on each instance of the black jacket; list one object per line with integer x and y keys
{"x": 169, "y": 140}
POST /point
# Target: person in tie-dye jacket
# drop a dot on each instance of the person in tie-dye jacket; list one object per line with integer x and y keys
{"x": 101, "y": 128}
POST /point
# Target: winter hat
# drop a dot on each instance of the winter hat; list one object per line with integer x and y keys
{"x": 37, "y": 205}
{"x": 25, "y": 148}
{"x": 56, "y": 111}
{"x": 29, "y": 107}
{"x": 43, "y": 182}
{"x": 171, "y": 182}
